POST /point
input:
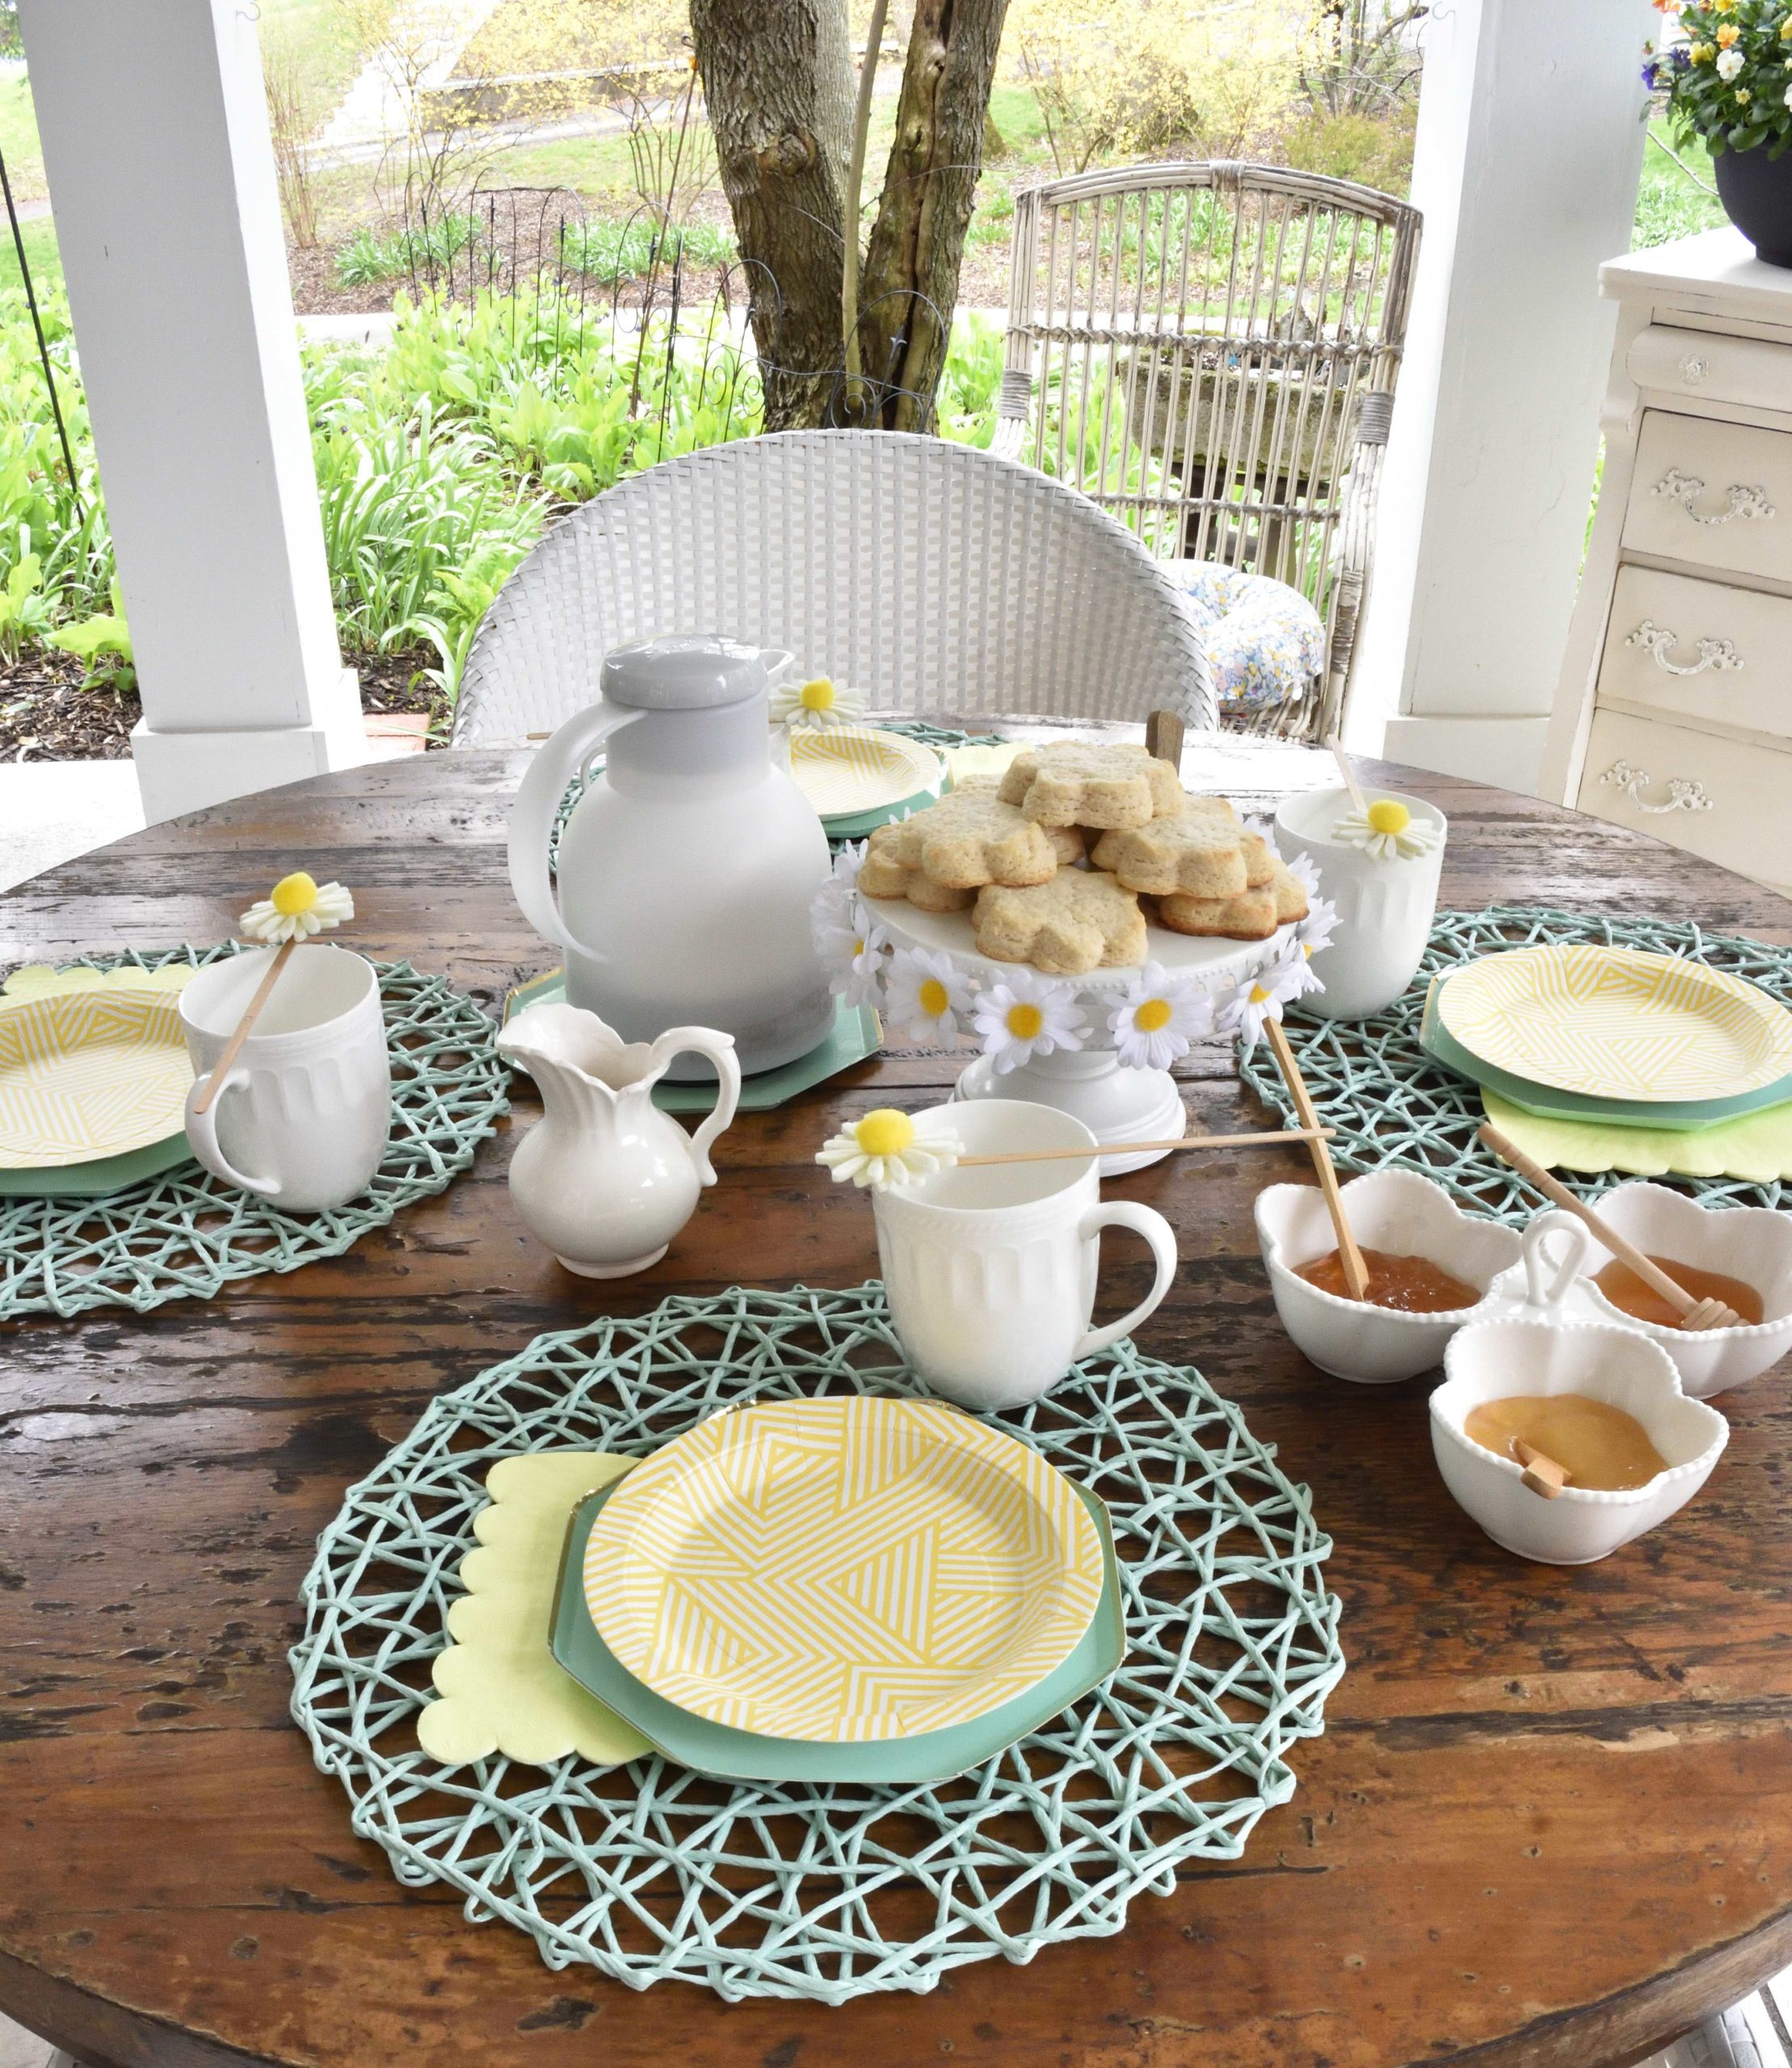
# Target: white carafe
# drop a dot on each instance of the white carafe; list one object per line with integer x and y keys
{"x": 687, "y": 867}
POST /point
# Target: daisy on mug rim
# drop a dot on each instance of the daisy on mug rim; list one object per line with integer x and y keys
{"x": 815, "y": 704}
{"x": 891, "y": 1148}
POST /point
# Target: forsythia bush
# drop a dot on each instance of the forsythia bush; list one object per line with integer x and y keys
{"x": 1140, "y": 77}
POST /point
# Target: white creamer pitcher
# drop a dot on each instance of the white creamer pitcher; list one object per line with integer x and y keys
{"x": 606, "y": 1180}
{"x": 687, "y": 869}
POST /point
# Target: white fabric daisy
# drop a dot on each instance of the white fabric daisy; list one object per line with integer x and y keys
{"x": 296, "y": 909}
{"x": 926, "y": 999}
{"x": 1026, "y": 1016}
{"x": 1387, "y": 831}
{"x": 1158, "y": 1019}
{"x": 890, "y": 1148}
{"x": 813, "y": 705}
{"x": 1260, "y": 998}
{"x": 1311, "y": 934}
{"x": 860, "y": 982}
{"x": 837, "y": 918}
{"x": 1306, "y": 873}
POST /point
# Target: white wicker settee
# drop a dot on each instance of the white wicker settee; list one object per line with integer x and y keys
{"x": 933, "y": 576}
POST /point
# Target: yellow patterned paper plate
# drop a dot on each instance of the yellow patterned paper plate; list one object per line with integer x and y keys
{"x": 1618, "y": 1022}
{"x": 90, "y": 1073}
{"x": 848, "y": 769}
{"x": 843, "y": 1571}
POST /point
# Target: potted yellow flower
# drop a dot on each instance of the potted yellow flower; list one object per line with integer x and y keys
{"x": 1722, "y": 71}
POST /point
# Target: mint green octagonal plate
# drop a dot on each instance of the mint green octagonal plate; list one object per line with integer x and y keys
{"x": 714, "y": 1748}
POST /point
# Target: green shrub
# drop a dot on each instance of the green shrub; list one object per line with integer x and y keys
{"x": 1373, "y": 150}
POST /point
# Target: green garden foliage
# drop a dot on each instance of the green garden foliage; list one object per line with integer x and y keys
{"x": 439, "y": 459}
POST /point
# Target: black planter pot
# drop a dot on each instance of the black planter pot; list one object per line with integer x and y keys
{"x": 1756, "y": 193}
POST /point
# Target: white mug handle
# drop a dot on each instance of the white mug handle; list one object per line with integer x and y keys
{"x": 1563, "y": 1272}
{"x": 1144, "y": 1221}
{"x": 202, "y": 1135}
{"x": 719, "y": 1050}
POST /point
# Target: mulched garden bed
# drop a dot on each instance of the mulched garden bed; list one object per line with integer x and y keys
{"x": 45, "y": 715}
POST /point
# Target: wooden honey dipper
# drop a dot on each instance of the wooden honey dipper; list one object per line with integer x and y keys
{"x": 1695, "y": 1315}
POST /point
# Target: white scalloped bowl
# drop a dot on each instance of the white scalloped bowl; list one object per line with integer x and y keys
{"x": 1752, "y": 1243}
{"x": 1491, "y": 1359}
{"x": 1398, "y": 1211}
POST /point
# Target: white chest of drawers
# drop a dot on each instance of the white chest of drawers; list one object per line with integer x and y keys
{"x": 1674, "y": 712}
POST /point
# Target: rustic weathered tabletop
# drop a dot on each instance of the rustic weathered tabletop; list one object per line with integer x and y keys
{"x": 1550, "y": 1821}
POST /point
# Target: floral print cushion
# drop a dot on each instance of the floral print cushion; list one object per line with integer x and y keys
{"x": 1265, "y": 641}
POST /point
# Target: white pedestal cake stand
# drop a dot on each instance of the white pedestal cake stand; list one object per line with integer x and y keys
{"x": 1090, "y": 1083}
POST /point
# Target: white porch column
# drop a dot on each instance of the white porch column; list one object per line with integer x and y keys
{"x": 156, "y": 144}
{"x": 1529, "y": 143}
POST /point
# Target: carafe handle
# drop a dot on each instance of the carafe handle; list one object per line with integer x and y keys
{"x": 538, "y": 801}
{"x": 719, "y": 1050}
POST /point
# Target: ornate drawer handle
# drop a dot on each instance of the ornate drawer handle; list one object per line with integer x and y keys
{"x": 1719, "y": 653}
{"x": 1683, "y": 793}
{"x": 1686, "y": 488}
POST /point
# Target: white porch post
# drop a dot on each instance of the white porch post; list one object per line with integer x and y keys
{"x": 1529, "y": 144}
{"x": 156, "y": 144}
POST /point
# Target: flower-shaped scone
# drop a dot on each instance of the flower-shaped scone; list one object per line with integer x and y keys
{"x": 1072, "y": 783}
{"x": 1251, "y": 915}
{"x": 1199, "y": 852}
{"x": 969, "y": 838}
{"x": 1081, "y": 920}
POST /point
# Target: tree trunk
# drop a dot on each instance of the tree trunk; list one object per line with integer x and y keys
{"x": 910, "y": 279}
{"x": 776, "y": 79}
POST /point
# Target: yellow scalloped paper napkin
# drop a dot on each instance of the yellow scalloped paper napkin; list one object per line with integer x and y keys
{"x": 40, "y": 980}
{"x": 1755, "y": 1147}
{"x": 502, "y": 1689}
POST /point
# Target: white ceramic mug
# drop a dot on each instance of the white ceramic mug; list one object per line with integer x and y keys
{"x": 1385, "y": 908}
{"x": 302, "y": 1117}
{"x": 991, "y": 1273}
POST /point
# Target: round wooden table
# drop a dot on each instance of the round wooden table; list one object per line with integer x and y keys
{"x": 1550, "y": 1821}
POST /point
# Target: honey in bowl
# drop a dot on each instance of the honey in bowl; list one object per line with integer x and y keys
{"x": 1409, "y": 1285}
{"x": 1626, "y": 1292}
{"x": 1600, "y": 1447}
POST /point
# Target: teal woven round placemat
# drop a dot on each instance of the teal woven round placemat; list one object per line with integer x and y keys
{"x": 648, "y": 1872}
{"x": 183, "y": 1235}
{"x": 1391, "y": 1102}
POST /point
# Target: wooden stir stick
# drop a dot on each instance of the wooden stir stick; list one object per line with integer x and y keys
{"x": 1347, "y": 769}
{"x": 294, "y": 901}
{"x": 1355, "y": 1271}
{"x": 1163, "y": 738}
{"x": 1695, "y": 1315}
{"x": 232, "y": 1048}
{"x": 1132, "y": 1147}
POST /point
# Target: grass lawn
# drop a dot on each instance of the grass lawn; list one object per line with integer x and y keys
{"x": 1671, "y": 202}
{"x": 19, "y": 141}
{"x": 41, "y": 254}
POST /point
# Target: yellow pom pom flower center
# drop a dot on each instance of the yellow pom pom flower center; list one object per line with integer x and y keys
{"x": 1153, "y": 1015}
{"x": 934, "y": 997}
{"x": 293, "y": 895}
{"x": 1386, "y": 815}
{"x": 884, "y": 1132}
{"x": 1025, "y": 1022}
{"x": 817, "y": 696}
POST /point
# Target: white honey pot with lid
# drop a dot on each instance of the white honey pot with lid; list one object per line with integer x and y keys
{"x": 687, "y": 867}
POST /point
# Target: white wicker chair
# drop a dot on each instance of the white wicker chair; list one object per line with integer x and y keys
{"x": 1210, "y": 351}
{"x": 933, "y": 576}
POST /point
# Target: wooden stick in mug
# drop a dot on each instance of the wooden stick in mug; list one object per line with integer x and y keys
{"x": 1646, "y": 1268}
{"x": 1355, "y": 1271}
{"x": 1347, "y": 769}
{"x": 233, "y": 1047}
{"x": 1133, "y": 1148}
